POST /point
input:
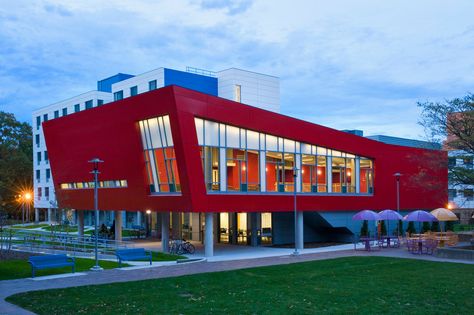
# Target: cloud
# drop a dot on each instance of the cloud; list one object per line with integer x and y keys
{"x": 344, "y": 64}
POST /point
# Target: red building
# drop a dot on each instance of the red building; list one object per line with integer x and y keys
{"x": 178, "y": 151}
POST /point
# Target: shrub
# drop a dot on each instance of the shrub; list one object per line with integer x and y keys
{"x": 411, "y": 228}
{"x": 426, "y": 227}
{"x": 435, "y": 226}
{"x": 364, "y": 230}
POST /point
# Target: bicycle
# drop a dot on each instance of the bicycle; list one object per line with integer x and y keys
{"x": 179, "y": 247}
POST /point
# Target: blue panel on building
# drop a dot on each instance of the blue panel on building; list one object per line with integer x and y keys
{"x": 105, "y": 85}
{"x": 201, "y": 83}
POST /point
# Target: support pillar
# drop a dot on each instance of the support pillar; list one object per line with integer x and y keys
{"x": 165, "y": 231}
{"x": 299, "y": 230}
{"x": 253, "y": 229}
{"x": 209, "y": 235}
{"x": 139, "y": 218}
{"x": 50, "y": 215}
{"x": 80, "y": 222}
{"x": 37, "y": 215}
{"x": 118, "y": 225}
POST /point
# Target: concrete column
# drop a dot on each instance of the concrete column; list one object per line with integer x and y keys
{"x": 209, "y": 235}
{"x": 80, "y": 222}
{"x": 118, "y": 225}
{"x": 139, "y": 218}
{"x": 50, "y": 215}
{"x": 253, "y": 229}
{"x": 165, "y": 231}
{"x": 299, "y": 230}
{"x": 37, "y": 215}
{"x": 176, "y": 225}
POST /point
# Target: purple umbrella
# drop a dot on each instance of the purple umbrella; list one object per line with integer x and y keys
{"x": 366, "y": 215}
{"x": 420, "y": 216}
{"x": 390, "y": 215}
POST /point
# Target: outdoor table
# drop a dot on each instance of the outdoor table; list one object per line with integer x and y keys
{"x": 388, "y": 238}
{"x": 366, "y": 241}
{"x": 441, "y": 240}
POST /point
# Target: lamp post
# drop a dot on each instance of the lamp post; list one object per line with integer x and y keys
{"x": 27, "y": 198}
{"x": 95, "y": 162}
{"x": 397, "y": 176}
{"x": 148, "y": 223}
{"x": 295, "y": 175}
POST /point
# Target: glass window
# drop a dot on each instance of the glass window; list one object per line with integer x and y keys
{"x": 321, "y": 174}
{"x": 133, "y": 90}
{"x": 89, "y": 104}
{"x": 199, "y": 130}
{"x": 210, "y": 165}
{"x": 38, "y": 122}
{"x": 48, "y": 174}
{"x": 236, "y": 160}
{"x": 77, "y": 108}
{"x": 118, "y": 95}
{"x": 253, "y": 140}
{"x": 233, "y": 137}
{"x": 211, "y": 130}
{"x": 100, "y": 102}
{"x": 279, "y": 171}
{"x": 366, "y": 176}
{"x": 38, "y": 176}
{"x": 339, "y": 175}
{"x": 38, "y": 157}
{"x": 46, "y": 158}
{"x": 238, "y": 93}
{"x": 64, "y": 111}
{"x": 39, "y": 193}
{"x": 45, "y": 117}
{"x": 309, "y": 173}
{"x": 46, "y": 193}
{"x": 56, "y": 114}
{"x": 152, "y": 85}
{"x": 452, "y": 193}
{"x": 37, "y": 140}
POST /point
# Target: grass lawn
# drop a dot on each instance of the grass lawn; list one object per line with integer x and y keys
{"x": 354, "y": 285}
{"x": 158, "y": 256}
{"x": 27, "y": 227}
{"x": 20, "y": 268}
{"x": 58, "y": 228}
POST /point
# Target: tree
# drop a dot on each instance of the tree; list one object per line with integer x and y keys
{"x": 452, "y": 123}
{"x": 16, "y": 160}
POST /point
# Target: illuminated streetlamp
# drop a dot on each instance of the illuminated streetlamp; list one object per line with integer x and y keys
{"x": 148, "y": 225}
{"x": 96, "y": 172}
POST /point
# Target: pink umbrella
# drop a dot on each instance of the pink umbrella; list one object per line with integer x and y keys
{"x": 420, "y": 216}
{"x": 366, "y": 215}
{"x": 390, "y": 215}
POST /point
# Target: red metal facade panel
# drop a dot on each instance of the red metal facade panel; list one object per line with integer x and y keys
{"x": 111, "y": 133}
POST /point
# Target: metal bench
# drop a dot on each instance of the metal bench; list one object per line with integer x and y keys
{"x": 51, "y": 261}
{"x": 132, "y": 254}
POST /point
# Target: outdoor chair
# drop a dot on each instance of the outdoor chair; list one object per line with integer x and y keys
{"x": 430, "y": 245}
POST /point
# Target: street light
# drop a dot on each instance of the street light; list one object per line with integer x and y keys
{"x": 28, "y": 198}
{"x": 397, "y": 176}
{"x": 295, "y": 175}
{"x": 148, "y": 224}
{"x": 95, "y": 162}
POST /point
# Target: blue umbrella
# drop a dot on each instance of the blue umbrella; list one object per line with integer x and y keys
{"x": 366, "y": 215}
{"x": 420, "y": 216}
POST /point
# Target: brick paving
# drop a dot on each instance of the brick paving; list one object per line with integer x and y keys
{"x": 9, "y": 287}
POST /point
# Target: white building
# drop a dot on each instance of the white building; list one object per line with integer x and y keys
{"x": 247, "y": 87}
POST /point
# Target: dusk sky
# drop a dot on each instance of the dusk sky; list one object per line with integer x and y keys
{"x": 343, "y": 64}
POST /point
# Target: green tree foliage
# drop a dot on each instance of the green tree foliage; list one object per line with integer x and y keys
{"x": 364, "y": 230}
{"x": 411, "y": 227}
{"x": 383, "y": 228}
{"x": 16, "y": 160}
{"x": 449, "y": 226}
{"x": 452, "y": 123}
{"x": 426, "y": 227}
{"x": 435, "y": 226}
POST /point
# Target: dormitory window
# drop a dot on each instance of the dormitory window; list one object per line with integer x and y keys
{"x": 451, "y": 194}
{"x": 46, "y": 158}
{"x": 100, "y": 102}
{"x": 37, "y": 140}
{"x": 38, "y": 176}
{"x": 38, "y": 122}
{"x": 39, "y": 193}
{"x": 48, "y": 174}
{"x": 238, "y": 93}
{"x": 118, "y": 95}
{"x": 77, "y": 108}
{"x": 64, "y": 111}
{"x": 45, "y": 117}
{"x": 152, "y": 85}
{"x": 89, "y": 104}
{"x": 38, "y": 157}
{"x": 56, "y": 114}
{"x": 46, "y": 193}
{"x": 133, "y": 90}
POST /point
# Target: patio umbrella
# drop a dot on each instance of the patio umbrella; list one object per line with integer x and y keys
{"x": 443, "y": 214}
{"x": 366, "y": 215}
{"x": 420, "y": 216}
{"x": 390, "y": 215}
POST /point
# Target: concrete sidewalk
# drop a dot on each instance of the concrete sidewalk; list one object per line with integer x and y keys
{"x": 9, "y": 287}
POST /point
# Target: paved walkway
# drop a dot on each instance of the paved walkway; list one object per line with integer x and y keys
{"x": 9, "y": 287}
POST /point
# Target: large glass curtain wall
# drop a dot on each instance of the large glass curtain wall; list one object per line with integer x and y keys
{"x": 240, "y": 160}
{"x": 160, "y": 158}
